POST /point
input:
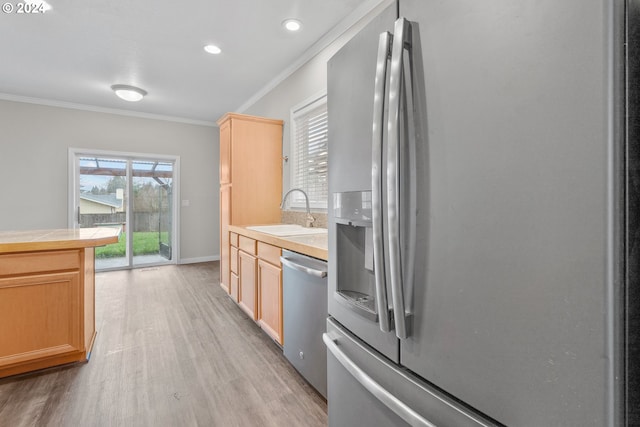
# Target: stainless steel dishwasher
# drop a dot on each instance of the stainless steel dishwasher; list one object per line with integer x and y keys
{"x": 305, "y": 314}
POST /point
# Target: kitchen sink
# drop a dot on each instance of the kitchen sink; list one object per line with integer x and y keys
{"x": 287, "y": 229}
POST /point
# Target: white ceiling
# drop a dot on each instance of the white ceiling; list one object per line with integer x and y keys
{"x": 72, "y": 54}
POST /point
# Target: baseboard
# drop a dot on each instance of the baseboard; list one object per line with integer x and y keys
{"x": 199, "y": 259}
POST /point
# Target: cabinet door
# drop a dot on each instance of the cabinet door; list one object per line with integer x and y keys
{"x": 270, "y": 299}
{"x": 40, "y": 317}
{"x": 225, "y": 152}
{"x": 234, "y": 260}
{"x": 234, "y": 286}
{"x": 225, "y": 216}
{"x": 248, "y": 290}
{"x": 256, "y": 171}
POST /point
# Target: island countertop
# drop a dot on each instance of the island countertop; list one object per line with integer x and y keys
{"x": 56, "y": 239}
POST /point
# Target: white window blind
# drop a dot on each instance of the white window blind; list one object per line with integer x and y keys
{"x": 309, "y": 154}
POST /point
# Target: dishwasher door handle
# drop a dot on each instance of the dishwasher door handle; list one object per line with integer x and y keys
{"x": 307, "y": 270}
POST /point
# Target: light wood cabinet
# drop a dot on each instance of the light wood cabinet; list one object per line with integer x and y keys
{"x": 46, "y": 309}
{"x": 270, "y": 290}
{"x": 225, "y": 152}
{"x": 234, "y": 278}
{"x": 270, "y": 299}
{"x": 256, "y": 282}
{"x": 49, "y": 301}
{"x": 265, "y": 250}
{"x": 47, "y": 296}
{"x": 225, "y": 217}
{"x": 247, "y": 276}
{"x": 248, "y": 284}
{"x": 234, "y": 260}
{"x": 235, "y": 286}
{"x": 250, "y": 178}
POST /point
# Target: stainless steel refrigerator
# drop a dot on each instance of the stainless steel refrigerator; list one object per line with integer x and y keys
{"x": 478, "y": 217}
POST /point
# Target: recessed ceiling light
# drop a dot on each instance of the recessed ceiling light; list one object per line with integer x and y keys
{"x": 213, "y": 49}
{"x": 292, "y": 25}
{"x": 129, "y": 93}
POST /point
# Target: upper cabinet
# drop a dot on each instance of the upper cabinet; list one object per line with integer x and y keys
{"x": 251, "y": 162}
{"x": 250, "y": 176}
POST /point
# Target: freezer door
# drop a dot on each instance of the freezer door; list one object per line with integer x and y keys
{"x": 510, "y": 304}
{"x": 351, "y": 74}
{"x": 365, "y": 389}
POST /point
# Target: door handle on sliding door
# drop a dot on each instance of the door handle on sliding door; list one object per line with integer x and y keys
{"x": 402, "y": 41}
{"x": 384, "y": 50}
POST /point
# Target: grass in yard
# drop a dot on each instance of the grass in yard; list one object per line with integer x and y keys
{"x": 144, "y": 243}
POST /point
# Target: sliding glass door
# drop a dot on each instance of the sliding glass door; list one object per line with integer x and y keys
{"x": 152, "y": 203}
{"x": 134, "y": 193}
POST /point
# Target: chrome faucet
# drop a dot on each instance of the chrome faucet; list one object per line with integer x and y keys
{"x": 310, "y": 219}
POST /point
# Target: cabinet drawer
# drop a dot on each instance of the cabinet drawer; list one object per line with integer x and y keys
{"x": 234, "y": 260}
{"x": 246, "y": 244}
{"x": 233, "y": 239}
{"x": 269, "y": 253}
{"x": 39, "y": 262}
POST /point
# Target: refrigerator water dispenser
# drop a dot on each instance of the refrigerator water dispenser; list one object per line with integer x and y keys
{"x": 354, "y": 252}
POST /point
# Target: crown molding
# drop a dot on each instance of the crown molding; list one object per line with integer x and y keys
{"x": 96, "y": 109}
{"x": 322, "y": 43}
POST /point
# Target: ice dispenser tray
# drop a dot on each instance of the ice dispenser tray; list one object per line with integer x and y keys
{"x": 354, "y": 247}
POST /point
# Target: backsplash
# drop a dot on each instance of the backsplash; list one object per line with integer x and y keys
{"x": 299, "y": 217}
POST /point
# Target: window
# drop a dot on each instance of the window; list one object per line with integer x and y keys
{"x": 309, "y": 153}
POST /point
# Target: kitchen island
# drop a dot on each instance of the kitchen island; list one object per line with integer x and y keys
{"x": 47, "y": 305}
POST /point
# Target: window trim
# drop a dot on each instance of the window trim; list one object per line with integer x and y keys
{"x": 295, "y": 200}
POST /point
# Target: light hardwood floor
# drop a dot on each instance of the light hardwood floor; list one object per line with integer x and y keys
{"x": 172, "y": 350}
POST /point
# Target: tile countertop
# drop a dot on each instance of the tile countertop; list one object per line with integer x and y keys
{"x": 314, "y": 245}
{"x": 63, "y": 238}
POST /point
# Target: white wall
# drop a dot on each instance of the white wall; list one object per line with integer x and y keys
{"x": 34, "y": 142}
{"x": 304, "y": 83}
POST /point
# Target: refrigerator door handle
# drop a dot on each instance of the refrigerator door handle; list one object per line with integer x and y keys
{"x": 402, "y": 40}
{"x": 384, "y": 51}
{"x": 383, "y": 395}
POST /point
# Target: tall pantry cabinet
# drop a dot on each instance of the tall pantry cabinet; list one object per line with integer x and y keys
{"x": 250, "y": 177}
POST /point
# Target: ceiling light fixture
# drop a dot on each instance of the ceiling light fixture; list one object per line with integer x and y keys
{"x": 292, "y": 25}
{"x": 212, "y": 49}
{"x": 129, "y": 93}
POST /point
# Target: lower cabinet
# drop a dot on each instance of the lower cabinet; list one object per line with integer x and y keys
{"x": 234, "y": 279}
{"x": 247, "y": 288}
{"x": 270, "y": 297}
{"x": 46, "y": 309}
{"x": 225, "y": 218}
{"x": 255, "y": 282}
{"x": 234, "y": 286}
